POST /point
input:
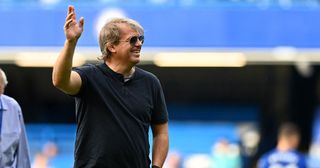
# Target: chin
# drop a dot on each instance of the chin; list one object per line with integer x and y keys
{"x": 135, "y": 61}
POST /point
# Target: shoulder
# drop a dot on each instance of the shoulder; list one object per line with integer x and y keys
{"x": 89, "y": 71}
{"x": 148, "y": 79}
{"x": 266, "y": 155}
{"x": 87, "y": 68}
{"x": 300, "y": 155}
{"x": 146, "y": 75}
{"x": 302, "y": 160}
{"x": 9, "y": 100}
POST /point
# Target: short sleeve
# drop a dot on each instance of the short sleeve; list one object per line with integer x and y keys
{"x": 82, "y": 71}
{"x": 160, "y": 112}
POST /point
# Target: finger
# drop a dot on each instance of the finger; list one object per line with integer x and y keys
{"x": 70, "y": 9}
{"x": 81, "y": 22}
{"x": 67, "y": 24}
{"x": 70, "y": 15}
{"x": 73, "y": 11}
{"x": 74, "y": 16}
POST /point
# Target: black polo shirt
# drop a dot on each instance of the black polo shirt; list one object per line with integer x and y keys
{"x": 113, "y": 117}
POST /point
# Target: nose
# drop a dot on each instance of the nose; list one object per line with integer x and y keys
{"x": 139, "y": 43}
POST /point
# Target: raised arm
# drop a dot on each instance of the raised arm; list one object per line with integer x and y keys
{"x": 62, "y": 76}
{"x": 160, "y": 144}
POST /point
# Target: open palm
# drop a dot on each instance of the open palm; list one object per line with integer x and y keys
{"x": 72, "y": 29}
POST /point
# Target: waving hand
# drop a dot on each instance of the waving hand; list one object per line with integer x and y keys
{"x": 72, "y": 28}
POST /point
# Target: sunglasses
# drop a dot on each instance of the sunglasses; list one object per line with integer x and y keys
{"x": 134, "y": 39}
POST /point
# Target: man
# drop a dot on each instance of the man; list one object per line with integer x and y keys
{"x": 285, "y": 154}
{"x": 14, "y": 151}
{"x": 116, "y": 102}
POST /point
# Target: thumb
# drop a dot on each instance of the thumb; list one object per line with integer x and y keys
{"x": 81, "y": 22}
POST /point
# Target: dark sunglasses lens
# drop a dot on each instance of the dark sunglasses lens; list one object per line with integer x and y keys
{"x": 141, "y": 38}
{"x": 134, "y": 40}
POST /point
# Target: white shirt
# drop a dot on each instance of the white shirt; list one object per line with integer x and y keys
{"x": 14, "y": 151}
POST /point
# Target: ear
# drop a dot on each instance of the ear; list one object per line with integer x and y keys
{"x": 111, "y": 47}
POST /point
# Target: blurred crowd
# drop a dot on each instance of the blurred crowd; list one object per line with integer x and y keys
{"x": 243, "y": 154}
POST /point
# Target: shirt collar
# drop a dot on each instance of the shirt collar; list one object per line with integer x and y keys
{"x": 4, "y": 105}
{"x": 106, "y": 69}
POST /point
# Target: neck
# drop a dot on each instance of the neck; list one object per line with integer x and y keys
{"x": 125, "y": 70}
{"x": 284, "y": 146}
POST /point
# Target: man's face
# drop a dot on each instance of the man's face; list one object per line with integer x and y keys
{"x": 2, "y": 85}
{"x": 126, "y": 52}
{"x": 294, "y": 140}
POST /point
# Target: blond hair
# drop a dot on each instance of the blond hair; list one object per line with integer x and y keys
{"x": 110, "y": 33}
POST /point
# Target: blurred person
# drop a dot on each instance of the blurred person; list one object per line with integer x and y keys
{"x": 197, "y": 161}
{"x": 174, "y": 160}
{"x": 14, "y": 150}
{"x": 116, "y": 102}
{"x": 285, "y": 154}
{"x": 42, "y": 159}
{"x": 226, "y": 154}
{"x": 314, "y": 156}
{"x": 314, "y": 151}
